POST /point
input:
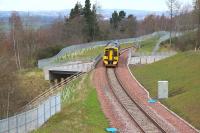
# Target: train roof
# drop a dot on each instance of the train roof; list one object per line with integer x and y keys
{"x": 113, "y": 44}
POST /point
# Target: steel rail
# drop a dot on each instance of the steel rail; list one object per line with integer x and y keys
{"x": 136, "y": 103}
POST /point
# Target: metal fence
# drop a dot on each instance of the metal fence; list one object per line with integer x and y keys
{"x": 32, "y": 119}
{"x": 48, "y": 62}
{"x": 147, "y": 58}
{"x": 39, "y": 109}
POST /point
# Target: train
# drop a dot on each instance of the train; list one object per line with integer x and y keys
{"x": 111, "y": 54}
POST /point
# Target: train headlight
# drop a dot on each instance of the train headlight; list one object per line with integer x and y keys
{"x": 114, "y": 62}
{"x": 105, "y": 57}
{"x": 105, "y": 62}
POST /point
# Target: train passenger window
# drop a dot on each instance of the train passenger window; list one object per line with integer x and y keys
{"x": 106, "y": 53}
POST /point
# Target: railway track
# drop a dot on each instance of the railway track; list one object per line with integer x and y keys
{"x": 144, "y": 122}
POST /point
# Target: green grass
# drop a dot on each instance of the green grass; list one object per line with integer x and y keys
{"x": 126, "y": 45}
{"x": 165, "y": 48}
{"x": 183, "y": 43}
{"x": 4, "y": 26}
{"x": 182, "y": 72}
{"x": 84, "y": 54}
{"x": 81, "y": 110}
{"x": 148, "y": 44}
{"x": 30, "y": 80}
{"x": 23, "y": 85}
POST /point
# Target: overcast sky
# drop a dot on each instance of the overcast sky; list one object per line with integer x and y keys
{"x": 29, "y": 5}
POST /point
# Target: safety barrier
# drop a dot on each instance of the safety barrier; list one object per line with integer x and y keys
{"x": 147, "y": 58}
{"x": 50, "y": 61}
{"x": 32, "y": 119}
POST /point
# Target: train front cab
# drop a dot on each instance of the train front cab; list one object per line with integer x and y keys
{"x": 111, "y": 57}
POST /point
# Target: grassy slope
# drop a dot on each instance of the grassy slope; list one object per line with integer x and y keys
{"x": 81, "y": 110}
{"x": 182, "y": 72}
{"x": 27, "y": 84}
{"x": 165, "y": 48}
{"x": 148, "y": 44}
{"x": 32, "y": 79}
{"x": 182, "y": 43}
{"x": 22, "y": 86}
{"x": 126, "y": 45}
{"x": 86, "y": 54}
{"x": 82, "y": 54}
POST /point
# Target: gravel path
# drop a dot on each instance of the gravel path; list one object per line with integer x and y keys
{"x": 159, "y": 113}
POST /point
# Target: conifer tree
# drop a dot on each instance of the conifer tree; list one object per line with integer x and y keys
{"x": 91, "y": 28}
{"x": 115, "y": 20}
{"x": 76, "y": 11}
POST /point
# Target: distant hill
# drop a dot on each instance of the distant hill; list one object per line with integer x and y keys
{"x": 44, "y": 18}
{"x": 140, "y": 14}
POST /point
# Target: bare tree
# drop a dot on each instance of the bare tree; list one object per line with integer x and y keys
{"x": 185, "y": 21}
{"x": 16, "y": 30}
{"x": 173, "y": 6}
{"x": 131, "y": 27}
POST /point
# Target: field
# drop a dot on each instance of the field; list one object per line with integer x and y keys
{"x": 4, "y": 26}
{"x": 148, "y": 44}
{"x": 81, "y": 110}
{"x": 182, "y": 72}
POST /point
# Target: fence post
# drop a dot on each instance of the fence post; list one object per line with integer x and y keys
{"x": 146, "y": 60}
{"x": 55, "y": 104}
{"x": 140, "y": 60}
{"x": 25, "y": 123}
{"x": 8, "y": 125}
{"x": 37, "y": 117}
{"x": 87, "y": 68}
{"x": 44, "y": 111}
{"x": 50, "y": 106}
{"x": 17, "y": 123}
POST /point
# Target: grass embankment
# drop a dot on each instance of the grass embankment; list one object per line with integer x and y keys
{"x": 31, "y": 80}
{"x": 148, "y": 44}
{"x": 81, "y": 110}
{"x": 165, "y": 48}
{"x": 84, "y": 54}
{"x": 182, "y": 72}
{"x": 182, "y": 43}
{"x": 126, "y": 45}
{"x": 23, "y": 87}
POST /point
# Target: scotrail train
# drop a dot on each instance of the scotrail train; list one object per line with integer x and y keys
{"x": 111, "y": 54}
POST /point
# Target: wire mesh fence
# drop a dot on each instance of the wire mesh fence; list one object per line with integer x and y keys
{"x": 50, "y": 61}
{"x": 32, "y": 119}
{"x": 39, "y": 113}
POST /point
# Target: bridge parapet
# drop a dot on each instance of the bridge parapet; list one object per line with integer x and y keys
{"x": 67, "y": 69}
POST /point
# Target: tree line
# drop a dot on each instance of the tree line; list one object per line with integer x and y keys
{"x": 26, "y": 45}
{"x": 23, "y": 45}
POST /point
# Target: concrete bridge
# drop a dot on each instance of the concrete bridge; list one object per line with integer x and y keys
{"x": 66, "y": 70}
